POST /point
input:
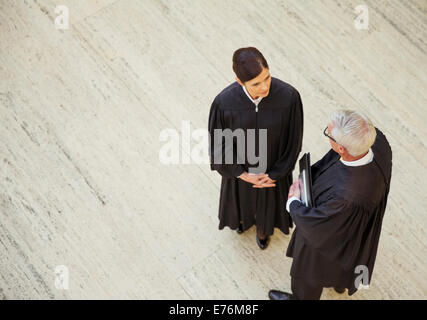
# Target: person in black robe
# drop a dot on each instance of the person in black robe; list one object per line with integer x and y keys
{"x": 335, "y": 243}
{"x": 254, "y": 102}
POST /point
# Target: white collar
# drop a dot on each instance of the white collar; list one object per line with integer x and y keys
{"x": 362, "y": 161}
{"x": 256, "y": 101}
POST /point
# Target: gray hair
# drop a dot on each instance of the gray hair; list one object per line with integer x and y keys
{"x": 353, "y": 130}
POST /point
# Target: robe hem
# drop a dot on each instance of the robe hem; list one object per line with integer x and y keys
{"x": 234, "y": 229}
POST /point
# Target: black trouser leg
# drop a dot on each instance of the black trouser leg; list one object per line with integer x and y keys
{"x": 261, "y": 235}
{"x": 304, "y": 291}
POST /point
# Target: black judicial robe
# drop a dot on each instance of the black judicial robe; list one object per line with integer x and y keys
{"x": 282, "y": 115}
{"x": 343, "y": 230}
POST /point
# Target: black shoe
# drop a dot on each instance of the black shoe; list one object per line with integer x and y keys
{"x": 279, "y": 295}
{"x": 262, "y": 243}
{"x": 339, "y": 290}
{"x": 240, "y": 229}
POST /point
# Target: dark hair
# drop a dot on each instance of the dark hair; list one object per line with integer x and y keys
{"x": 248, "y": 63}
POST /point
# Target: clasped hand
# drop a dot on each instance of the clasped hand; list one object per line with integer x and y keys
{"x": 260, "y": 181}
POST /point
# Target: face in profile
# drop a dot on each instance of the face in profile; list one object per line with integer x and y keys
{"x": 258, "y": 86}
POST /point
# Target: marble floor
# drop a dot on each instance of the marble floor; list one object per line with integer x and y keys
{"x": 87, "y": 209}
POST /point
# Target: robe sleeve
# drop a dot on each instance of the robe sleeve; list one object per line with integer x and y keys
{"x": 216, "y": 122}
{"x": 335, "y": 229}
{"x": 288, "y": 157}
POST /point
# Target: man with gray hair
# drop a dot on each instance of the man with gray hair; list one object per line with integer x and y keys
{"x": 335, "y": 243}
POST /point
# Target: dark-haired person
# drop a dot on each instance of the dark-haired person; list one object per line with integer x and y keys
{"x": 254, "y": 102}
{"x": 335, "y": 244}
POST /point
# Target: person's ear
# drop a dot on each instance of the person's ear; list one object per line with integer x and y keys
{"x": 341, "y": 149}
